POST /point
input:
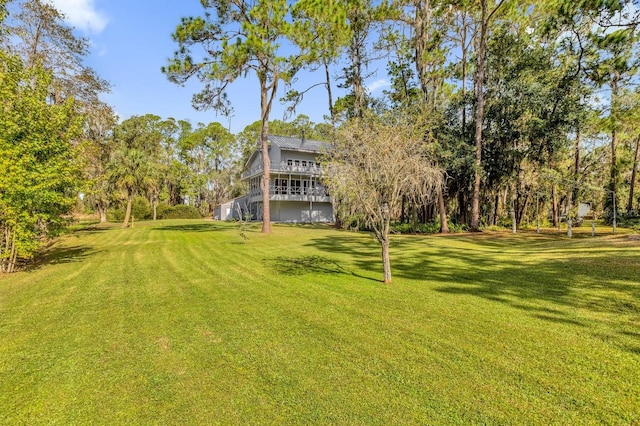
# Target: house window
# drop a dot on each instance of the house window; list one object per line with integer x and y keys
{"x": 281, "y": 186}
{"x": 289, "y": 162}
{"x": 296, "y": 187}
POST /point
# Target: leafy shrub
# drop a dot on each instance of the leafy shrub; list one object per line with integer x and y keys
{"x": 140, "y": 210}
{"x": 115, "y": 215}
{"x": 457, "y": 227}
{"x": 432, "y": 227}
{"x": 402, "y": 228}
{"x": 421, "y": 228}
{"x": 181, "y": 211}
{"x": 629, "y": 220}
{"x": 504, "y": 222}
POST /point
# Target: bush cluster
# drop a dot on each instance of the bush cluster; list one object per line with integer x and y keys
{"x": 425, "y": 228}
{"x": 141, "y": 209}
{"x": 181, "y": 211}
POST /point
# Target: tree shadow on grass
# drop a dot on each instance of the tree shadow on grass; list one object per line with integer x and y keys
{"x": 541, "y": 275}
{"x": 191, "y": 227}
{"x": 580, "y": 292}
{"x": 362, "y": 249}
{"x": 61, "y": 255}
{"x": 93, "y": 229}
{"x": 309, "y": 265}
{"x": 303, "y": 225}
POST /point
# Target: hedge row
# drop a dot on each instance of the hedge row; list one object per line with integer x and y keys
{"x": 142, "y": 210}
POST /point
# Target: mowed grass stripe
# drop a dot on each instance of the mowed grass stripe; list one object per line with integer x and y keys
{"x": 182, "y": 322}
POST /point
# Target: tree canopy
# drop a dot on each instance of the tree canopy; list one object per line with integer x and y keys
{"x": 39, "y": 170}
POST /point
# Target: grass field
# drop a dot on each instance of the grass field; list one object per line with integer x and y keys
{"x": 182, "y": 322}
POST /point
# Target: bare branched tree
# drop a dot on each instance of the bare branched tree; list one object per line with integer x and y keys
{"x": 373, "y": 164}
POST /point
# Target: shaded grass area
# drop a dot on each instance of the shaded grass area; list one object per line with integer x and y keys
{"x": 185, "y": 322}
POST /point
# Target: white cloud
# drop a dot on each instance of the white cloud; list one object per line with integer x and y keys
{"x": 99, "y": 48}
{"x": 82, "y": 14}
{"x": 372, "y": 87}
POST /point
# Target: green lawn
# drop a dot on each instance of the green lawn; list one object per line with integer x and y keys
{"x": 181, "y": 322}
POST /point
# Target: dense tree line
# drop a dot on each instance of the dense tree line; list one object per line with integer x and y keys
{"x": 532, "y": 100}
{"x": 531, "y": 107}
{"x": 63, "y": 150}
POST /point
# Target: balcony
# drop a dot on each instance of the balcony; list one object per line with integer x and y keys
{"x": 292, "y": 193}
{"x": 299, "y": 168}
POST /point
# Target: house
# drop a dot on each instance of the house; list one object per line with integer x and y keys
{"x": 583, "y": 212}
{"x": 296, "y": 192}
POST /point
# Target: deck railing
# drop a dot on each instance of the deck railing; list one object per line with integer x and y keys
{"x": 318, "y": 191}
{"x": 313, "y": 169}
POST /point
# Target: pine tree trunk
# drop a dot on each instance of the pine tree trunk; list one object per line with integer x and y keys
{"x": 266, "y": 162}
{"x": 422, "y": 22}
{"x": 332, "y": 113}
{"x": 462, "y": 207}
{"x": 523, "y": 209}
{"x": 464, "y": 76}
{"x": 576, "y": 164}
{"x": 442, "y": 210}
{"x": 614, "y": 167}
{"x": 479, "y": 83}
{"x": 632, "y": 184}
{"x": 613, "y": 185}
{"x": 554, "y": 208}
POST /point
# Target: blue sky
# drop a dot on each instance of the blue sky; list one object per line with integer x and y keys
{"x": 131, "y": 41}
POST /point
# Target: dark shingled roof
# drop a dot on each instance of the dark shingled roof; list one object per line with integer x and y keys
{"x": 297, "y": 144}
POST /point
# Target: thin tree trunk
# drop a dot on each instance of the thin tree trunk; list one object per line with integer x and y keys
{"x": 384, "y": 242}
{"x": 479, "y": 87}
{"x": 632, "y": 184}
{"x": 13, "y": 254}
{"x": 569, "y": 205}
{"x": 6, "y": 250}
{"x": 576, "y": 164}
{"x": 265, "y": 107}
{"x": 330, "y": 96}
{"x": 127, "y": 214}
{"x": 554, "y": 208}
{"x": 422, "y": 22}
{"x": 462, "y": 207}
{"x": 463, "y": 45}
{"x": 523, "y": 209}
{"x": 614, "y": 146}
{"x": 442, "y": 210}
{"x": 614, "y": 166}
{"x": 155, "y": 209}
{"x": 414, "y": 218}
{"x": 514, "y": 219}
{"x": 386, "y": 261}
{"x": 356, "y": 55}
{"x": 358, "y": 85}
{"x": 3, "y": 250}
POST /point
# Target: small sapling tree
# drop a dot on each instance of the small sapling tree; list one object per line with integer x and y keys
{"x": 374, "y": 163}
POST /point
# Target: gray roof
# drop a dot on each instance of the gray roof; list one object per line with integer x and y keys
{"x": 298, "y": 144}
